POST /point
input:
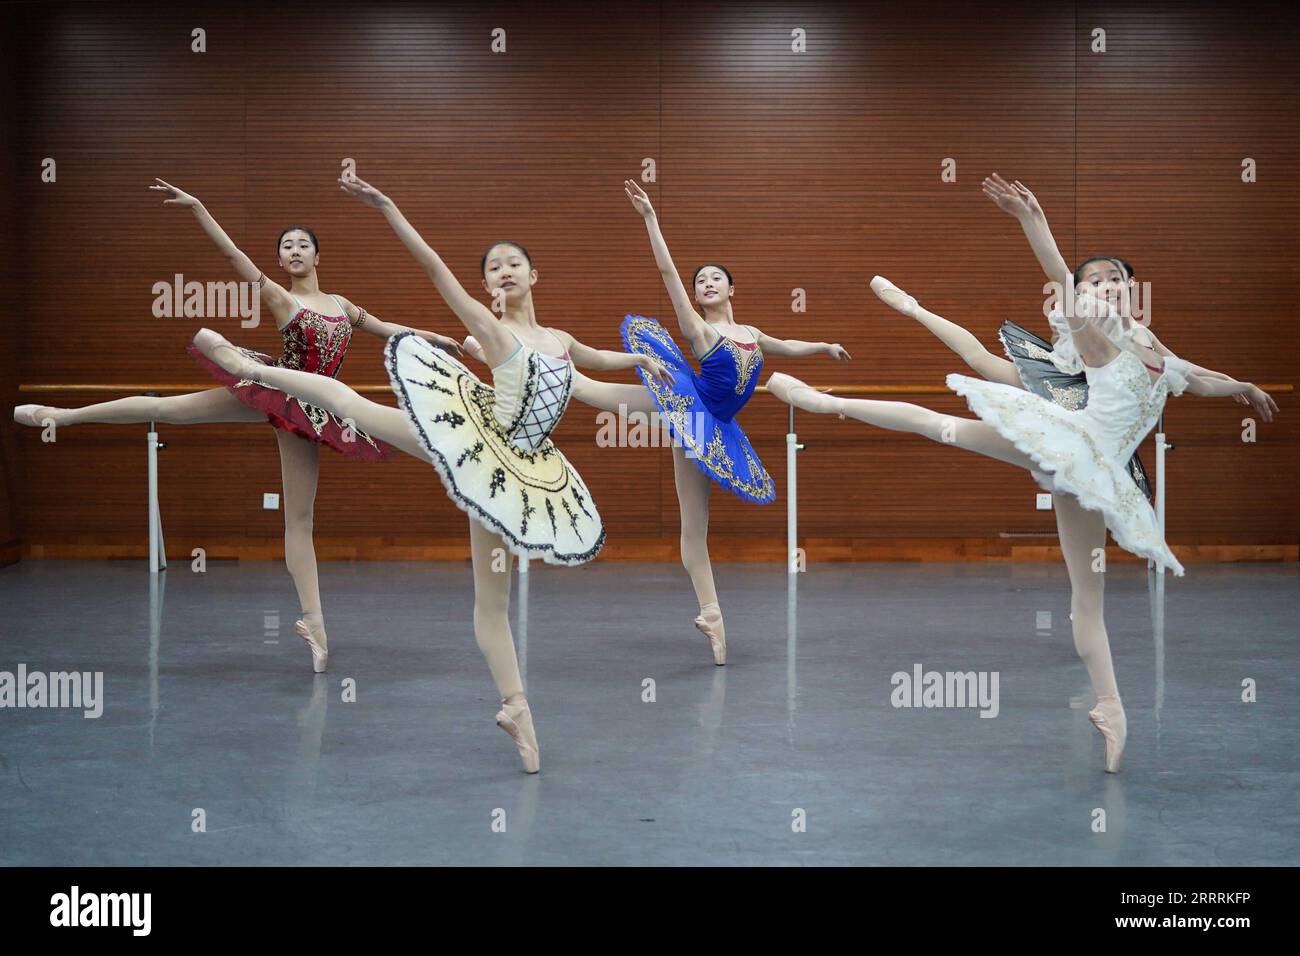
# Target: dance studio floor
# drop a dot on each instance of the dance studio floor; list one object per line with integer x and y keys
{"x": 210, "y": 704}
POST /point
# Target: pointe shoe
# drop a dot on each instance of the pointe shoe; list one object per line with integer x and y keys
{"x": 31, "y": 416}
{"x": 897, "y": 298}
{"x": 790, "y": 390}
{"x": 712, "y": 628}
{"x": 320, "y": 655}
{"x": 220, "y": 351}
{"x": 1108, "y": 717}
{"x": 516, "y": 719}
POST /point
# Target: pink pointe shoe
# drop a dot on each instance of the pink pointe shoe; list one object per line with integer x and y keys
{"x": 710, "y": 625}
{"x": 320, "y": 655}
{"x": 1108, "y": 717}
{"x": 227, "y": 356}
{"x": 516, "y": 719}
{"x": 893, "y": 296}
{"x": 790, "y": 390}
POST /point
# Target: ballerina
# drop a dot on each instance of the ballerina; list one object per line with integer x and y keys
{"x": 1055, "y": 371}
{"x": 1079, "y": 452}
{"x": 316, "y": 329}
{"x": 491, "y": 447}
{"x": 700, "y": 408}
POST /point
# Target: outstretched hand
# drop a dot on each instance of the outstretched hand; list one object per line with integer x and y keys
{"x": 637, "y": 195}
{"x": 176, "y": 197}
{"x": 1015, "y": 200}
{"x": 362, "y": 190}
{"x": 657, "y": 370}
{"x": 1262, "y": 402}
{"x": 838, "y": 352}
{"x": 443, "y": 342}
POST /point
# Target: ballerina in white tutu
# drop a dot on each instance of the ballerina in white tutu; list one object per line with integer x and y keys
{"x": 1055, "y": 371}
{"x": 1081, "y": 452}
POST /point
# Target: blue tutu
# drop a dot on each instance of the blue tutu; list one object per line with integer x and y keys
{"x": 700, "y": 408}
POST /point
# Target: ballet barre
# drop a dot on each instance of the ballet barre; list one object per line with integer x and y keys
{"x": 793, "y": 447}
{"x": 157, "y": 547}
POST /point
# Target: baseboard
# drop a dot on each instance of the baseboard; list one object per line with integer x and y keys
{"x": 729, "y": 549}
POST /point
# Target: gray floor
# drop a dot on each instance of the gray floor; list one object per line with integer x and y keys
{"x": 210, "y": 703}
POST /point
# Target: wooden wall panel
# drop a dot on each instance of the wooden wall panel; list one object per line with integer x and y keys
{"x": 11, "y": 244}
{"x": 811, "y": 171}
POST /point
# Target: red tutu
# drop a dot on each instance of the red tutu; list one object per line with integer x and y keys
{"x": 312, "y": 343}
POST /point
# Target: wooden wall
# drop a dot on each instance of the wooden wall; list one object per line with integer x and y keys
{"x": 813, "y": 171}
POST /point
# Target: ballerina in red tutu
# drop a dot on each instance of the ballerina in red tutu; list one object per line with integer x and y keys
{"x": 316, "y": 329}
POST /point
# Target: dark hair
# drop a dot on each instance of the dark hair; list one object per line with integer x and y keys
{"x": 482, "y": 266}
{"x": 715, "y": 265}
{"x": 288, "y": 229}
{"x": 1123, "y": 264}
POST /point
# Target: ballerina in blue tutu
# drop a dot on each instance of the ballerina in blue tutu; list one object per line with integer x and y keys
{"x": 700, "y": 408}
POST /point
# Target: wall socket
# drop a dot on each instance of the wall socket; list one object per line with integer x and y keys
{"x": 271, "y": 502}
{"x": 1043, "y": 502}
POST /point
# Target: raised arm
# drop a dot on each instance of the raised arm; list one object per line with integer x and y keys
{"x": 273, "y": 295}
{"x": 473, "y": 314}
{"x": 605, "y": 360}
{"x": 694, "y": 329}
{"x": 795, "y": 348}
{"x": 1016, "y": 200}
{"x": 363, "y": 320}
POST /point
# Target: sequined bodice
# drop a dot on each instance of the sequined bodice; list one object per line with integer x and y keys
{"x": 728, "y": 376}
{"x": 315, "y": 343}
{"x": 1123, "y": 401}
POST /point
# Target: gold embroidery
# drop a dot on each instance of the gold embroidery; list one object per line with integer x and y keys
{"x": 747, "y": 361}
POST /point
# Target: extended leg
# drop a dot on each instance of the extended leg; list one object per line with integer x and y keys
{"x": 195, "y": 408}
{"x": 380, "y": 421}
{"x": 991, "y": 367}
{"x": 299, "y": 466}
{"x": 968, "y": 433}
{"x": 612, "y": 396}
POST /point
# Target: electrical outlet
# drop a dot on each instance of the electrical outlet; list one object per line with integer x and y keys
{"x": 1044, "y": 502}
{"x": 271, "y": 502}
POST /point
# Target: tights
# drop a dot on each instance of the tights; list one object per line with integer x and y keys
{"x": 693, "y": 485}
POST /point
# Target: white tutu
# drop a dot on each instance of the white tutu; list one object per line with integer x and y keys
{"x": 1085, "y": 452}
{"x": 508, "y": 476}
